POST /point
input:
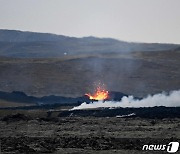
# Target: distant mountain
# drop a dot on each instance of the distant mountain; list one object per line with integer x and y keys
{"x": 20, "y": 36}
{"x": 21, "y": 44}
{"x": 21, "y": 97}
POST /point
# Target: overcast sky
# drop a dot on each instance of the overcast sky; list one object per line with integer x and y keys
{"x": 129, "y": 20}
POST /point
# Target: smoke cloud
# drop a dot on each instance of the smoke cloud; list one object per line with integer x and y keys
{"x": 171, "y": 99}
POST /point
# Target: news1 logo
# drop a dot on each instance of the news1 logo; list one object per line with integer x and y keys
{"x": 172, "y": 147}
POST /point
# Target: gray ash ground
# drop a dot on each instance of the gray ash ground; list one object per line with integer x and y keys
{"x": 33, "y": 132}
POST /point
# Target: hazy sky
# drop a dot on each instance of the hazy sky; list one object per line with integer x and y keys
{"x": 130, "y": 20}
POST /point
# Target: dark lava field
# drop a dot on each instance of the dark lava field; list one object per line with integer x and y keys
{"x": 37, "y": 131}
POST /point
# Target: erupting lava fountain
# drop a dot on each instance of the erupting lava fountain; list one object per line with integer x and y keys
{"x": 100, "y": 94}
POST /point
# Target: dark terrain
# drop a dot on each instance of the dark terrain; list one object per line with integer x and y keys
{"x": 33, "y": 131}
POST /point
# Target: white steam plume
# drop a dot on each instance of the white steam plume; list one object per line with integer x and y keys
{"x": 172, "y": 99}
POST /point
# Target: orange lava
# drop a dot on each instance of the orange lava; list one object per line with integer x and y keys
{"x": 100, "y": 94}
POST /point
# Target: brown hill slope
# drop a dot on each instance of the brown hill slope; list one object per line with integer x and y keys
{"x": 137, "y": 73}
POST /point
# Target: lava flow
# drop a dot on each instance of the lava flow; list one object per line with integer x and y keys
{"x": 100, "y": 94}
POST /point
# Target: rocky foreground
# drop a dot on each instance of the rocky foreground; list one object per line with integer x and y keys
{"x": 34, "y": 132}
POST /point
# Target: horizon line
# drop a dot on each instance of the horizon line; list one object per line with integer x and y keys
{"x": 128, "y": 41}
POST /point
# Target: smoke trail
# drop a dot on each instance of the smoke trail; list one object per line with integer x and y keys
{"x": 171, "y": 99}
